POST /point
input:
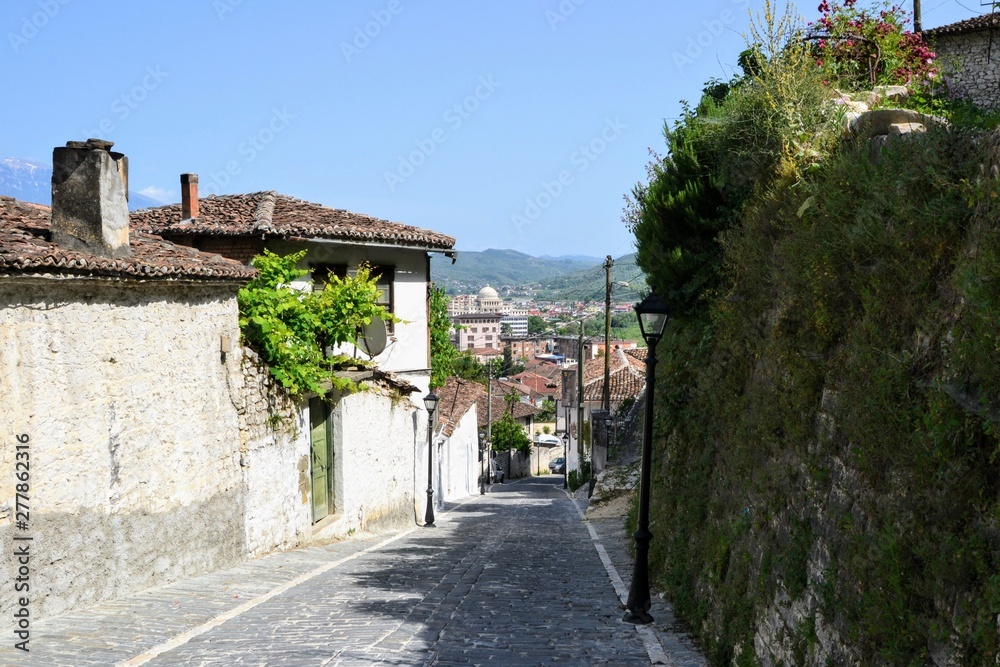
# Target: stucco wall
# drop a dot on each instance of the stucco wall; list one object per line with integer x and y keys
{"x": 458, "y": 458}
{"x": 378, "y": 440}
{"x": 124, "y": 394}
{"x": 972, "y": 68}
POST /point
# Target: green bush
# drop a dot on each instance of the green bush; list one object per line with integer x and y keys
{"x": 293, "y": 329}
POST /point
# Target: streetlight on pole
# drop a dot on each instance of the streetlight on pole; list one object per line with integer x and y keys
{"x": 652, "y": 312}
{"x": 430, "y": 402}
{"x": 565, "y": 440}
{"x": 482, "y": 462}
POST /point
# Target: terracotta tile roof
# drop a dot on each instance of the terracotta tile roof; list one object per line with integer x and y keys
{"x": 457, "y": 397}
{"x": 627, "y": 378}
{"x": 637, "y": 357}
{"x": 521, "y": 410}
{"x": 984, "y": 22}
{"x": 546, "y": 369}
{"x": 272, "y": 214}
{"x": 539, "y": 384}
{"x": 26, "y": 248}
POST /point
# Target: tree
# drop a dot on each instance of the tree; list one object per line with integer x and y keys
{"x": 536, "y": 325}
{"x": 292, "y": 330}
{"x": 466, "y": 367}
{"x": 548, "y": 413}
{"x": 443, "y": 353}
{"x": 507, "y": 434}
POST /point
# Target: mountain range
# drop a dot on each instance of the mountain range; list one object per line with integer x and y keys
{"x": 513, "y": 273}
{"x": 31, "y": 181}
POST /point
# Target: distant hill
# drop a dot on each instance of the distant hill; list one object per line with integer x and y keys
{"x": 505, "y": 270}
{"x": 589, "y": 284}
{"x": 30, "y": 181}
{"x": 513, "y": 273}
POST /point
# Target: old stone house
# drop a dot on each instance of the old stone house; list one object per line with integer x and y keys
{"x": 367, "y": 453}
{"x": 969, "y": 55}
{"x": 158, "y": 447}
{"x": 121, "y": 376}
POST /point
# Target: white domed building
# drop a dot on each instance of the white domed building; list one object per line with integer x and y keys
{"x": 488, "y": 301}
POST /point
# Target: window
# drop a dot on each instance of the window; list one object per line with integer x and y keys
{"x": 384, "y": 277}
{"x": 321, "y": 273}
{"x": 470, "y": 345}
{"x": 472, "y": 330}
{"x": 489, "y": 337}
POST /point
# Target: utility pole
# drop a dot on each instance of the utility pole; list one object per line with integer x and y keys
{"x": 489, "y": 419}
{"x": 918, "y": 24}
{"x": 606, "y": 394}
{"x": 579, "y": 406}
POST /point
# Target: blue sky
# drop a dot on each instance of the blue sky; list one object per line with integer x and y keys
{"x": 517, "y": 124}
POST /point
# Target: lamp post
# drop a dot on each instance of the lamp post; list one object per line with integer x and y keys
{"x": 652, "y": 312}
{"x": 430, "y": 402}
{"x": 566, "y": 451}
{"x": 482, "y": 462}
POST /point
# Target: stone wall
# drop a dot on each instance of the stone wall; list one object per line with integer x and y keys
{"x": 971, "y": 64}
{"x": 123, "y": 391}
{"x": 274, "y": 460}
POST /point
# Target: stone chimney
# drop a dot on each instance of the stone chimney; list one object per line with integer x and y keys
{"x": 90, "y": 198}
{"x": 189, "y": 196}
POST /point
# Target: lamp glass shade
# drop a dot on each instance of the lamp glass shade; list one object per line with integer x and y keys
{"x": 431, "y": 401}
{"x": 653, "y": 313}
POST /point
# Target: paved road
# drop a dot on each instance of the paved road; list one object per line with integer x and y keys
{"x": 511, "y": 578}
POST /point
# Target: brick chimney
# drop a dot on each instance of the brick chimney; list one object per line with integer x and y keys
{"x": 90, "y": 198}
{"x": 189, "y": 196}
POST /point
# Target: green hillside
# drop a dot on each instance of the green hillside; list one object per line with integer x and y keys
{"x": 588, "y": 284}
{"x": 499, "y": 268}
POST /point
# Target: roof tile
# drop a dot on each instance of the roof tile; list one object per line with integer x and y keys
{"x": 269, "y": 213}
{"x": 26, "y": 248}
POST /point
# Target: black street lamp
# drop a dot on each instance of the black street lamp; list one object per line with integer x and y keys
{"x": 482, "y": 462}
{"x": 430, "y": 402}
{"x": 565, "y": 440}
{"x": 652, "y": 312}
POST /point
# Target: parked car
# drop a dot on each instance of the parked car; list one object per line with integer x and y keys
{"x": 547, "y": 439}
{"x": 557, "y": 465}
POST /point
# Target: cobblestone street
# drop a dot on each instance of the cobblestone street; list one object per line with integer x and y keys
{"x": 515, "y": 577}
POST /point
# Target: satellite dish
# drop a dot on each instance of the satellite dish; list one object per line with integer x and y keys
{"x": 373, "y": 338}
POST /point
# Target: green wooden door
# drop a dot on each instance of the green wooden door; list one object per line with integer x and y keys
{"x": 319, "y": 432}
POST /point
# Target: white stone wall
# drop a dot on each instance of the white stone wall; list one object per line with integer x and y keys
{"x": 125, "y": 395}
{"x": 970, "y": 65}
{"x": 379, "y": 440}
{"x": 274, "y": 460}
{"x": 458, "y": 458}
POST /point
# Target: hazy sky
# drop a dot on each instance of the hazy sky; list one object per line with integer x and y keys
{"x": 517, "y": 124}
